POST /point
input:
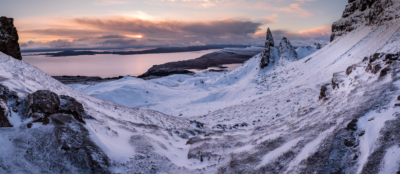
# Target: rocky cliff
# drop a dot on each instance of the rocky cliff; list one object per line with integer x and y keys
{"x": 9, "y": 38}
{"x": 365, "y": 12}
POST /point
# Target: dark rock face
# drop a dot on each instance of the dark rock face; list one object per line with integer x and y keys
{"x": 9, "y": 38}
{"x": 42, "y": 103}
{"x": 266, "y": 54}
{"x": 4, "y": 109}
{"x": 323, "y": 93}
{"x": 4, "y": 114}
{"x": 70, "y": 106}
{"x": 270, "y": 40}
{"x": 368, "y": 12}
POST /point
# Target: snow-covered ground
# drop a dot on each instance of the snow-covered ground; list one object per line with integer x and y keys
{"x": 330, "y": 112}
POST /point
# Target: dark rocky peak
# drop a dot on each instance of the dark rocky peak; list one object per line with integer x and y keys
{"x": 266, "y": 54}
{"x": 270, "y": 39}
{"x": 286, "y": 50}
{"x": 9, "y": 38}
{"x": 365, "y": 12}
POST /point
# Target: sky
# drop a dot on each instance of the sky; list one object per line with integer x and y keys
{"x": 136, "y": 23}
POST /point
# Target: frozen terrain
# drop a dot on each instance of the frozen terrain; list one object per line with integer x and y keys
{"x": 334, "y": 111}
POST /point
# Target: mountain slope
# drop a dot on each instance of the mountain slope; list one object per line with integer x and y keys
{"x": 334, "y": 111}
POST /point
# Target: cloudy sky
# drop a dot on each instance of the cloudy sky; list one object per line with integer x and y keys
{"x": 131, "y": 23}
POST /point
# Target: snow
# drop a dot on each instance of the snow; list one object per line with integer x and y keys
{"x": 391, "y": 161}
{"x": 249, "y": 114}
{"x": 278, "y": 152}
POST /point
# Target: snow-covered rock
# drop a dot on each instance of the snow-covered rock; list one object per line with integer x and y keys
{"x": 286, "y": 51}
{"x": 305, "y": 51}
{"x": 366, "y": 12}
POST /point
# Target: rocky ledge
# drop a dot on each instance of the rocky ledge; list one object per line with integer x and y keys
{"x": 365, "y": 12}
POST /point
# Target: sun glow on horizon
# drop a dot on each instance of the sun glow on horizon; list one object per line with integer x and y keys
{"x": 135, "y": 36}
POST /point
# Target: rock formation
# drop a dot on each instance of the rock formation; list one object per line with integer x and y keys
{"x": 364, "y": 12}
{"x": 9, "y": 38}
{"x": 266, "y": 54}
{"x": 286, "y": 50}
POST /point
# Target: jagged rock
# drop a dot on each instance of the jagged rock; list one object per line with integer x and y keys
{"x": 9, "y": 38}
{"x": 4, "y": 114}
{"x": 364, "y": 12}
{"x": 266, "y": 54}
{"x": 286, "y": 50}
{"x": 337, "y": 79}
{"x": 352, "y": 125}
{"x": 43, "y": 103}
{"x": 384, "y": 72}
{"x": 265, "y": 57}
{"x": 323, "y": 93}
{"x": 69, "y": 105}
{"x": 270, "y": 40}
{"x": 349, "y": 70}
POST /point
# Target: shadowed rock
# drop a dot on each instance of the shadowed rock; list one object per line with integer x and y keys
{"x": 42, "y": 103}
{"x": 9, "y": 38}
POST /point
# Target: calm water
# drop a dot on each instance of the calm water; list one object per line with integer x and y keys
{"x": 107, "y": 65}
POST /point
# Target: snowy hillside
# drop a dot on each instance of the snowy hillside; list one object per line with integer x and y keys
{"x": 334, "y": 111}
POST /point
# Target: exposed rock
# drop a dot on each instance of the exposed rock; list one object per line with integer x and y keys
{"x": 266, "y": 54}
{"x": 9, "y": 38}
{"x": 349, "y": 70}
{"x": 364, "y": 12}
{"x": 70, "y": 106}
{"x": 265, "y": 57}
{"x": 384, "y": 72}
{"x": 270, "y": 40}
{"x": 43, "y": 103}
{"x": 286, "y": 50}
{"x": 352, "y": 125}
{"x": 336, "y": 80}
{"x": 4, "y": 114}
{"x": 323, "y": 93}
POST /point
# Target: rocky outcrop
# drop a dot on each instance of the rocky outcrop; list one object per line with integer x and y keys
{"x": 365, "y": 12}
{"x": 44, "y": 104}
{"x": 9, "y": 38}
{"x": 266, "y": 54}
{"x": 270, "y": 40}
{"x": 286, "y": 50}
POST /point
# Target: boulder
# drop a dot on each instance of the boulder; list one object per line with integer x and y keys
{"x": 9, "y": 38}
{"x": 43, "y": 103}
{"x": 70, "y": 106}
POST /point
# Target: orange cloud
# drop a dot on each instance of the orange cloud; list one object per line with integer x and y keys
{"x": 317, "y": 31}
{"x": 272, "y": 17}
{"x": 295, "y": 8}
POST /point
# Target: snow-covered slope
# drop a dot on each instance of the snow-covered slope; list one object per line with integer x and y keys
{"x": 334, "y": 111}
